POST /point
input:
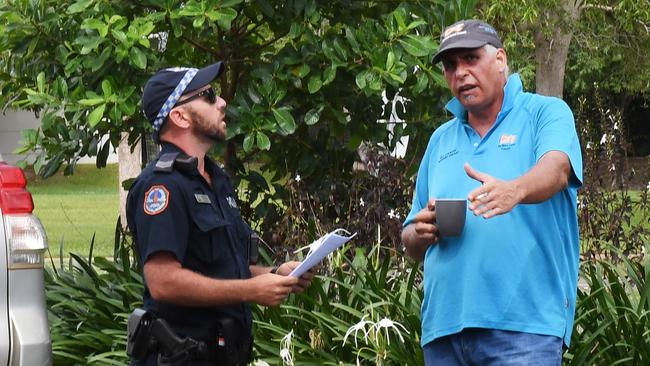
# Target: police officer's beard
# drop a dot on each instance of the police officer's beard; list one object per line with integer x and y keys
{"x": 206, "y": 128}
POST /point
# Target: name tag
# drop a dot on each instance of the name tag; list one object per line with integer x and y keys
{"x": 202, "y": 198}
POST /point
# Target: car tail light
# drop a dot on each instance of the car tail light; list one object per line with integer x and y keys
{"x": 25, "y": 236}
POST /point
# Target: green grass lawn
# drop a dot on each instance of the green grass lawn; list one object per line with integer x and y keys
{"x": 72, "y": 208}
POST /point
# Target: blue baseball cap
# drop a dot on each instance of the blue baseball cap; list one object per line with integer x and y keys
{"x": 467, "y": 34}
{"x": 164, "y": 88}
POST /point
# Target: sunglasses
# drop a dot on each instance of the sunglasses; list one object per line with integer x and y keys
{"x": 209, "y": 93}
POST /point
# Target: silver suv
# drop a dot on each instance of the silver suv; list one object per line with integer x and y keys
{"x": 24, "y": 332}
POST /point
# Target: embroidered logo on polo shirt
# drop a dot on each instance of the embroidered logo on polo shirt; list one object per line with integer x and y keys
{"x": 507, "y": 141}
{"x": 447, "y": 155}
{"x": 156, "y": 200}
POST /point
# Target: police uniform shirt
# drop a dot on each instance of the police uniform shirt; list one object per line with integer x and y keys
{"x": 171, "y": 208}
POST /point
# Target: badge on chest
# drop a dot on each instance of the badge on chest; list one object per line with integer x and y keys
{"x": 202, "y": 198}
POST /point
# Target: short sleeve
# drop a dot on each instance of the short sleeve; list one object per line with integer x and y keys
{"x": 160, "y": 217}
{"x": 556, "y": 131}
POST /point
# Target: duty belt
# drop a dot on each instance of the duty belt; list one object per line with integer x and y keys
{"x": 148, "y": 334}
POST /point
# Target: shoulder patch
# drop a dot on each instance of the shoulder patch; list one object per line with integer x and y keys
{"x": 156, "y": 200}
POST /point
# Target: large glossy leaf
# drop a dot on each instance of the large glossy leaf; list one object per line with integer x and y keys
{"x": 96, "y": 115}
{"x": 138, "y": 58}
{"x": 262, "y": 141}
{"x": 314, "y": 85}
{"x": 418, "y": 46}
{"x": 285, "y": 120}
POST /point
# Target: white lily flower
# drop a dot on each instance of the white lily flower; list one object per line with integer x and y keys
{"x": 285, "y": 349}
{"x": 386, "y": 324}
{"x": 360, "y": 326}
{"x": 603, "y": 139}
{"x": 298, "y": 178}
{"x": 286, "y": 356}
{"x": 361, "y": 203}
{"x": 392, "y": 214}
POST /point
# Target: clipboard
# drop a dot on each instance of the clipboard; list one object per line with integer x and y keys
{"x": 321, "y": 248}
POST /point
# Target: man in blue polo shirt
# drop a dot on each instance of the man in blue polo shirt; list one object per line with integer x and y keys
{"x": 503, "y": 292}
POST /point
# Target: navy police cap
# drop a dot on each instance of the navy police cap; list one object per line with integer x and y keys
{"x": 165, "y": 87}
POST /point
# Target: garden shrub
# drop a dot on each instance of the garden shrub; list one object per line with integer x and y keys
{"x": 89, "y": 300}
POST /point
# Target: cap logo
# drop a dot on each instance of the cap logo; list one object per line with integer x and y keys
{"x": 453, "y": 31}
{"x": 174, "y": 96}
{"x": 488, "y": 29}
{"x": 156, "y": 200}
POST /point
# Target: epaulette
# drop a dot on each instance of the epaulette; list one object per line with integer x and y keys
{"x": 165, "y": 162}
{"x": 168, "y": 161}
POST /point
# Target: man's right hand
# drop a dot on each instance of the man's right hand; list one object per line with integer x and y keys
{"x": 422, "y": 232}
{"x": 271, "y": 289}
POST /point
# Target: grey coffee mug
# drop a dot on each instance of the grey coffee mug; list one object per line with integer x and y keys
{"x": 450, "y": 216}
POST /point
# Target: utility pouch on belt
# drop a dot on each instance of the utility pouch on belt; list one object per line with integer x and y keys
{"x": 228, "y": 342}
{"x": 254, "y": 248}
{"x": 139, "y": 334}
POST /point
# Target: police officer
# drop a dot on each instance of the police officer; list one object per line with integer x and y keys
{"x": 191, "y": 239}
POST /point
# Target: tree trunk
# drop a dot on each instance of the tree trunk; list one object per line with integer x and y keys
{"x": 552, "y": 42}
{"x": 130, "y": 165}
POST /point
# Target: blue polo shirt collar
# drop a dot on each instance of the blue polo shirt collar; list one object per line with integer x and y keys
{"x": 512, "y": 88}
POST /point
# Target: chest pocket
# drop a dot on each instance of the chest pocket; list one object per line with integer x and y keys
{"x": 210, "y": 241}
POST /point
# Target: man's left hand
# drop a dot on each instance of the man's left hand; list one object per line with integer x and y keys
{"x": 493, "y": 197}
{"x": 303, "y": 282}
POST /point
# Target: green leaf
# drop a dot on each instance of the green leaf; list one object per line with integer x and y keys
{"x": 198, "y": 22}
{"x": 374, "y": 82}
{"x": 40, "y": 82}
{"x": 248, "y": 142}
{"x": 301, "y": 71}
{"x": 91, "y": 101}
{"x": 390, "y": 60}
{"x": 295, "y": 30}
{"x": 230, "y": 3}
{"x": 52, "y": 166}
{"x": 361, "y": 79}
{"x": 314, "y": 84}
{"x": 107, "y": 89}
{"x": 418, "y": 46}
{"x": 88, "y": 43}
{"x": 253, "y": 95}
{"x": 96, "y": 115}
{"x": 313, "y": 115}
{"x": 329, "y": 74}
{"x": 226, "y": 16}
{"x": 421, "y": 83}
{"x": 285, "y": 120}
{"x": 138, "y": 58}
{"x": 61, "y": 87}
{"x": 349, "y": 35}
{"x": 97, "y": 24}
{"x": 416, "y": 24}
{"x": 263, "y": 141}
{"x": 79, "y": 6}
{"x": 119, "y": 35}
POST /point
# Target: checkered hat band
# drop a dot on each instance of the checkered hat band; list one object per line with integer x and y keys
{"x": 173, "y": 98}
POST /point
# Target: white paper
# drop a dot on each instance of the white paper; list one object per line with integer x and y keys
{"x": 320, "y": 248}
